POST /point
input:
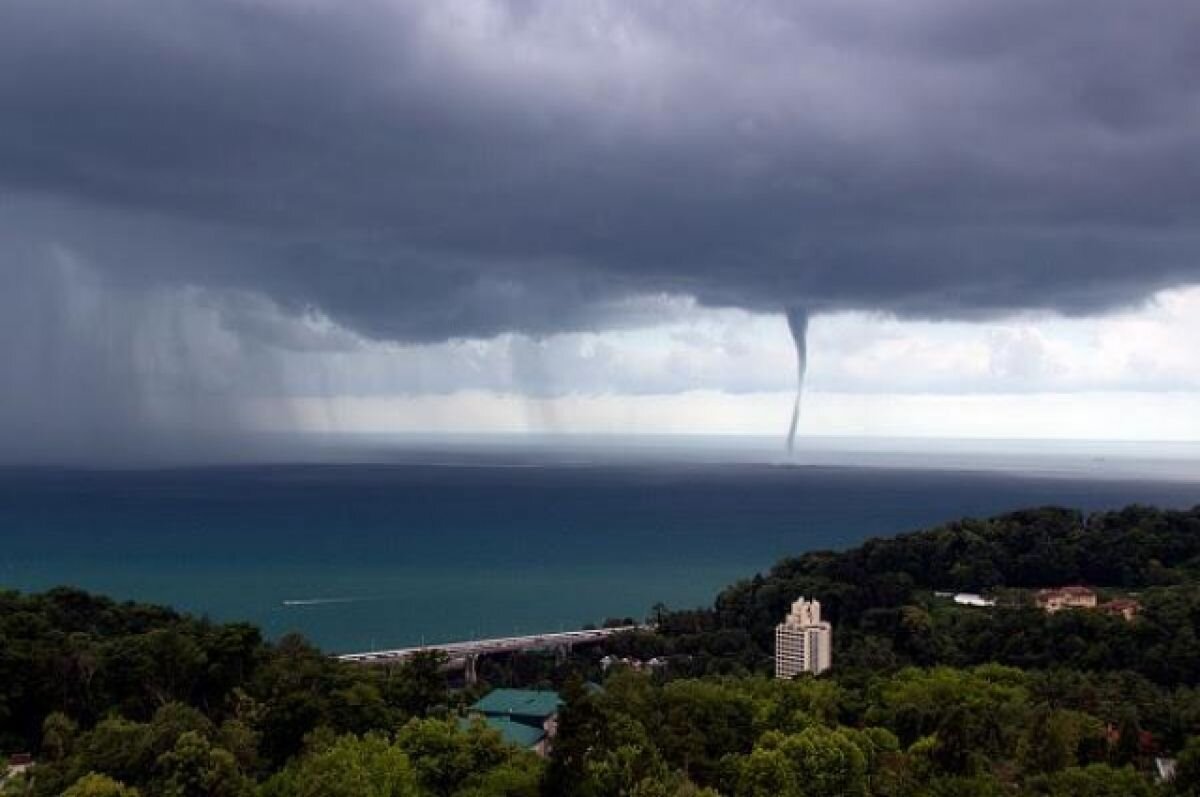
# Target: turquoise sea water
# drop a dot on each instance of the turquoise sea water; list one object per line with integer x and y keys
{"x": 433, "y": 547}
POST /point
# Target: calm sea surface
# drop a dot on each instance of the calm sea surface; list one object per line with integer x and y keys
{"x": 432, "y": 548}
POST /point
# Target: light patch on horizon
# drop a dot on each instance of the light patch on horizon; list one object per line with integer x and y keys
{"x": 1131, "y": 375}
{"x": 1045, "y": 416}
{"x": 1147, "y": 349}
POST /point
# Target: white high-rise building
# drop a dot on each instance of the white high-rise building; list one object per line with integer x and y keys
{"x": 802, "y": 642}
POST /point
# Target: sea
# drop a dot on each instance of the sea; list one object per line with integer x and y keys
{"x": 374, "y": 544}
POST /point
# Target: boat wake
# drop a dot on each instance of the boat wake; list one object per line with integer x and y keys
{"x": 321, "y": 601}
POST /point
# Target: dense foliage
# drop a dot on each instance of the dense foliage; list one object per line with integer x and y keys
{"x": 926, "y": 697}
{"x": 880, "y": 597}
{"x": 138, "y": 692}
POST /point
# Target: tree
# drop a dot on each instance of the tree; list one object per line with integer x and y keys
{"x": 242, "y": 741}
{"x": 94, "y": 785}
{"x": 1187, "y": 769}
{"x": 959, "y": 786}
{"x": 601, "y": 749}
{"x": 581, "y": 724}
{"x": 673, "y": 785}
{"x": 352, "y": 767}
{"x": 1094, "y": 780}
{"x": 172, "y": 721}
{"x": 58, "y": 736}
{"x": 194, "y": 768}
{"x": 419, "y": 684}
{"x": 877, "y": 745}
{"x": 515, "y": 778}
{"x": 817, "y": 761}
{"x": 630, "y": 767}
{"x": 827, "y": 762}
{"x": 1128, "y": 747}
{"x": 956, "y": 750}
{"x": 701, "y": 723}
{"x": 359, "y": 708}
{"x": 444, "y": 757}
{"x": 1049, "y": 742}
{"x": 766, "y": 772}
{"x": 287, "y": 719}
{"x": 176, "y": 663}
{"x": 120, "y": 748}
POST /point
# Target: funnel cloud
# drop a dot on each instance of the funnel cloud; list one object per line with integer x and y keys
{"x": 797, "y": 319}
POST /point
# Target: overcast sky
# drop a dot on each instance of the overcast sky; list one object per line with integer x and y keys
{"x": 471, "y": 216}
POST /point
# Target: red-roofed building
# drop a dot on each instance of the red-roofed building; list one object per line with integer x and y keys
{"x": 1147, "y": 745}
{"x": 18, "y": 764}
{"x": 1072, "y": 597}
{"x": 1124, "y": 608}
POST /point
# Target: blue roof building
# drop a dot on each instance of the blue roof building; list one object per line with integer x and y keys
{"x": 524, "y": 717}
{"x": 526, "y": 705}
{"x": 515, "y": 733}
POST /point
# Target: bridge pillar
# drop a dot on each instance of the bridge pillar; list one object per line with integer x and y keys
{"x": 469, "y": 673}
{"x": 562, "y": 652}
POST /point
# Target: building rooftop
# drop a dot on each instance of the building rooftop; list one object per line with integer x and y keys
{"x": 535, "y": 703}
{"x": 1073, "y": 589}
{"x": 515, "y": 733}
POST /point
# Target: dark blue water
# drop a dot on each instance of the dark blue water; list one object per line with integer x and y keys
{"x": 412, "y": 552}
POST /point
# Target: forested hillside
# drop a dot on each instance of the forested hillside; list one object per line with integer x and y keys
{"x": 926, "y": 697}
{"x": 880, "y": 598}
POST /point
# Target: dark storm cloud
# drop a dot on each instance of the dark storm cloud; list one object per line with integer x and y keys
{"x": 428, "y": 170}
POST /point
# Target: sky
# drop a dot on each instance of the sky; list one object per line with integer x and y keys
{"x": 525, "y": 216}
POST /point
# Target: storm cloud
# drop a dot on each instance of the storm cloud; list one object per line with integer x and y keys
{"x": 426, "y": 170}
{"x": 422, "y": 171}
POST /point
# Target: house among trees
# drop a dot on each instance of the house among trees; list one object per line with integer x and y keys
{"x": 1164, "y": 769}
{"x": 18, "y": 764}
{"x": 1126, "y": 608}
{"x": 635, "y": 664}
{"x": 1077, "y": 597}
{"x": 1073, "y": 597}
{"x": 973, "y": 599}
{"x": 524, "y": 717}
